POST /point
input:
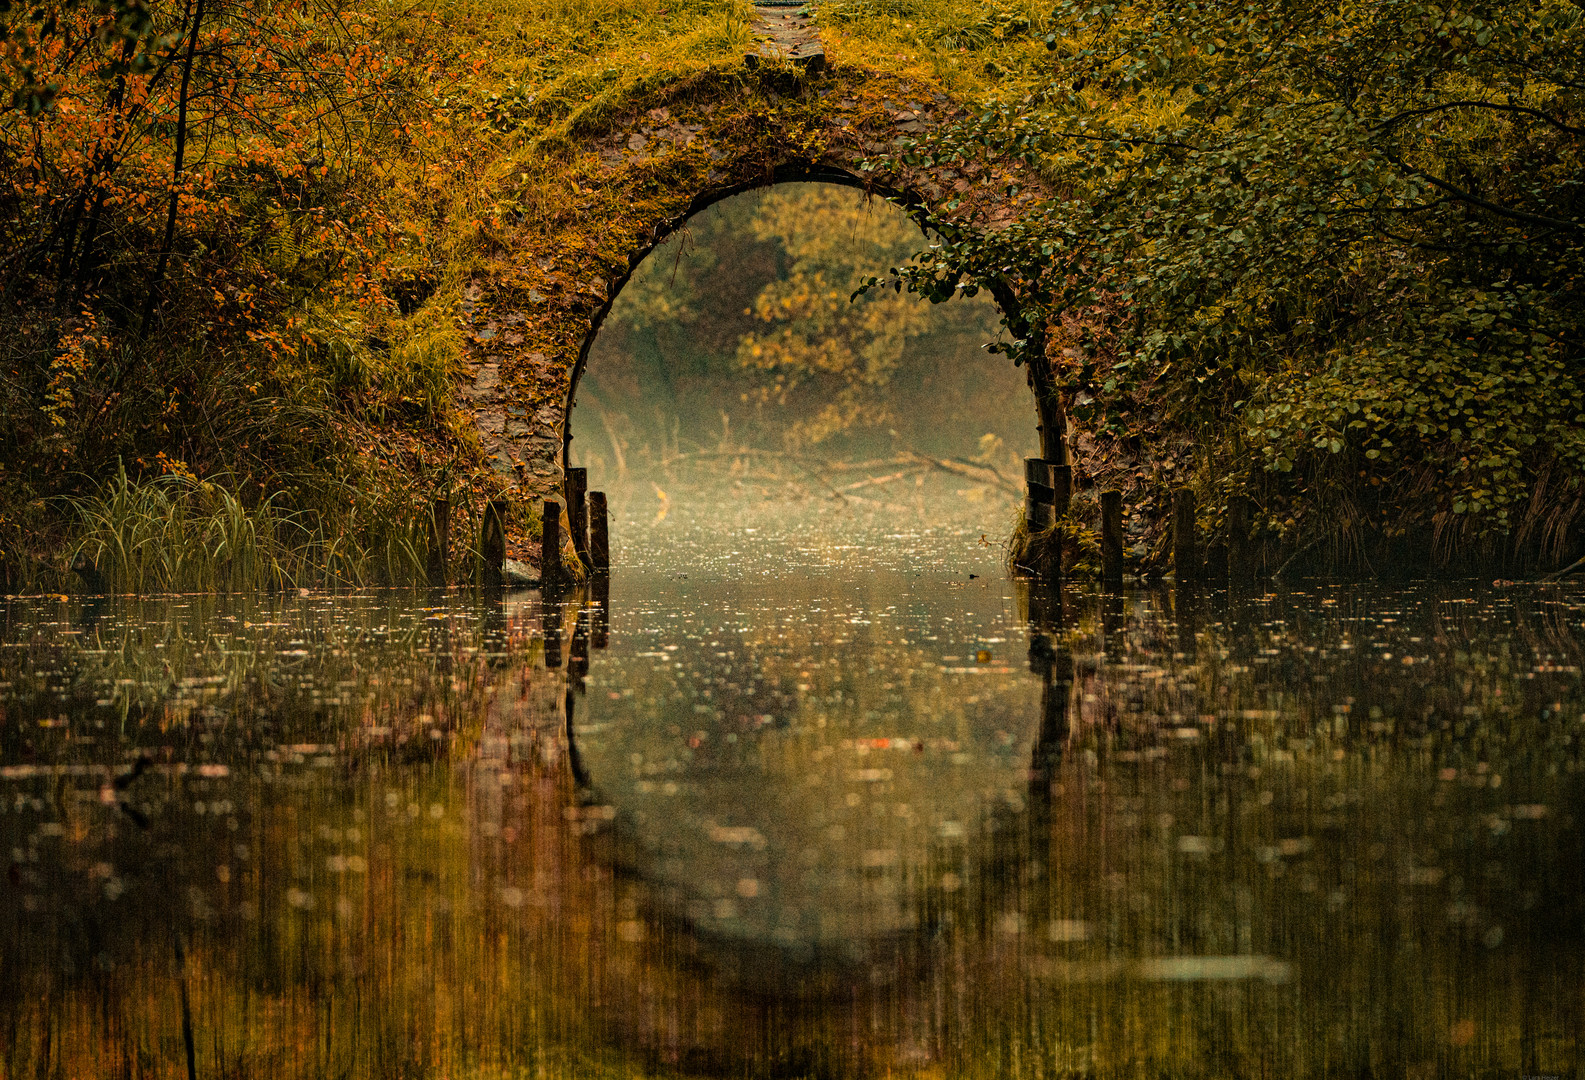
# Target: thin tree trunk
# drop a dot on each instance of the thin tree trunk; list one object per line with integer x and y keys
{"x": 157, "y": 286}
{"x": 156, "y": 291}
{"x": 85, "y": 260}
{"x": 1051, "y": 416}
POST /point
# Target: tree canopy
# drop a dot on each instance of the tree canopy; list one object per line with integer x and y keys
{"x": 1339, "y": 244}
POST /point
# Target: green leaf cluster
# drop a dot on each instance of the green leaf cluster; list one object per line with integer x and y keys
{"x": 1339, "y": 241}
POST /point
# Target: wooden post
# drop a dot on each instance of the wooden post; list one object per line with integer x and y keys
{"x": 550, "y": 545}
{"x": 1112, "y": 537}
{"x": 492, "y": 543}
{"x": 1039, "y": 496}
{"x": 1240, "y": 549}
{"x": 439, "y": 541}
{"x": 1061, "y": 489}
{"x": 599, "y": 533}
{"x": 577, "y": 488}
{"x": 1185, "y": 545}
{"x": 1214, "y": 564}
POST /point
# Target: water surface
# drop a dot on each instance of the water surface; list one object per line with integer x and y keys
{"x": 808, "y": 789}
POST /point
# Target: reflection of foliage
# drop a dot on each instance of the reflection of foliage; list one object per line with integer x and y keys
{"x": 756, "y": 295}
{"x": 379, "y": 864}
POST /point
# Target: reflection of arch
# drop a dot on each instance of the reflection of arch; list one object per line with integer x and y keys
{"x": 910, "y": 201}
{"x": 726, "y": 1004}
{"x": 994, "y": 854}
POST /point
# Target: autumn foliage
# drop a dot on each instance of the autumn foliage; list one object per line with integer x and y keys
{"x": 217, "y": 223}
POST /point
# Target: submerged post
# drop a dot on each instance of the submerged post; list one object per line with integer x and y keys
{"x": 1112, "y": 537}
{"x": 439, "y": 542}
{"x": 599, "y": 533}
{"x": 492, "y": 543}
{"x": 577, "y": 512}
{"x": 1185, "y": 544}
{"x": 1240, "y": 551}
{"x": 550, "y": 544}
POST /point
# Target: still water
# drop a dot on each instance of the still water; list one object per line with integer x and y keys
{"x": 808, "y": 790}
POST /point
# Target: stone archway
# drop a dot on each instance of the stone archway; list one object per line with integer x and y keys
{"x": 634, "y": 178}
{"x": 788, "y": 174}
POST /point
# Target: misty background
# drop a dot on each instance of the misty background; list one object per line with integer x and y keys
{"x": 736, "y": 348}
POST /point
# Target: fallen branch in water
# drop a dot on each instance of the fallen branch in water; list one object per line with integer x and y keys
{"x": 985, "y": 474}
{"x": 816, "y": 471}
{"x": 819, "y": 468}
{"x": 875, "y": 480}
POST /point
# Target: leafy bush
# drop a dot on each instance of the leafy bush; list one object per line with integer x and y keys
{"x": 1339, "y": 246}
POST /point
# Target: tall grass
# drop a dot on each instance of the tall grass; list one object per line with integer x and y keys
{"x": 178, "y": 533}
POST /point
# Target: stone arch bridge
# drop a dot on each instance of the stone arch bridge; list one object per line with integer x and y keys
{"x": 554, "y": 269}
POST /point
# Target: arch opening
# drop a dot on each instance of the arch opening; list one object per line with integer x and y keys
{"x": 735, "y": 330}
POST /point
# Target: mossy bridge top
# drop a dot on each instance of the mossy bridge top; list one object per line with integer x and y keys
{"x": 787, "y": 112}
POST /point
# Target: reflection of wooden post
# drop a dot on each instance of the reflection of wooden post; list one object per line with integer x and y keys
{"x": 1114, "y": 630}
{"x": 599, "y": 532}
{"x": 577, "y": 512}
{"x": 578, "y": 662}
{"x": 1112, "y": 537}
{"x": 439, "y": 541}
{"x": 1240, "y": 551}
{"x": 550, "y": 545}
{"x": 602, "y": 611}
{"x": 1185, "y": 545}
{"x": 550, "y": 622}
{"x": 492, "y": 543}
{"x": 1045, "y": 606}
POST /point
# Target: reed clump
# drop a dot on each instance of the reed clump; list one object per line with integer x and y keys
{"x": 1076, "y": 546}
{"x": 180, "y": 533}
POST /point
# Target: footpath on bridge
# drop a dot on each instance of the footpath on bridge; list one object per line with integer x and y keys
{"x": 785, "y": 30}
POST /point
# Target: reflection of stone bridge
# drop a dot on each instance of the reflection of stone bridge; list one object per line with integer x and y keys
{"x": 780, "y": 837}
{"x": 636, "y": 177}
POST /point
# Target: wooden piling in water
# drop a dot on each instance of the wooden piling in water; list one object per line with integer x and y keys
{"x": 599, "y": 533}
{"x": 1112, "y": 537}
{"x": 439, "y": 542}
{"x": 1240, "y": 548}
{"x": 1048, "y": 488}
{"x": 576, "y": 492}
{"x": 1061, "y": 489}
{"x": 550, "y": 545}
{"x": 1039, "y": 496}
{"x": 1185, "y": 542}
{"x": 492, "y": 543}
